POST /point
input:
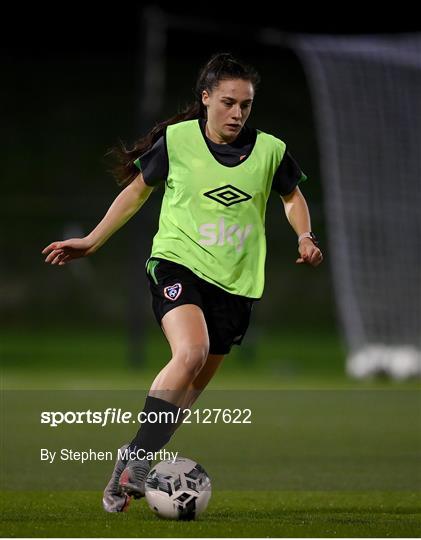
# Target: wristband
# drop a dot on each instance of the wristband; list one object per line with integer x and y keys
{"x": 310, "y": 235}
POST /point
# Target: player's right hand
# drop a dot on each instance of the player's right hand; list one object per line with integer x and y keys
{"x": 64, "y": 251}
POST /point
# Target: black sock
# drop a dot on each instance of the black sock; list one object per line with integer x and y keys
{"x": 153, "y": 435}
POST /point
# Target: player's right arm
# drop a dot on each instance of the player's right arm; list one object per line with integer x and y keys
{"x": 124, "y": 206}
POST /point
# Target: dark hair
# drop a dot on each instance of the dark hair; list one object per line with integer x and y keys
{"x": 220, "y": 67}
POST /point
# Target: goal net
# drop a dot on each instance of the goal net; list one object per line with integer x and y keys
{"x": 366, "y": 92}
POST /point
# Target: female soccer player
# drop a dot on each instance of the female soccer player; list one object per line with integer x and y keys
{"x": 207, "y": 263}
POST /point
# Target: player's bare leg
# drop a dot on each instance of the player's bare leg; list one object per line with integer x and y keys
{"x": 205, "y": 375}
{"x": 187, "y": 334}
{"x": 186, "y": 330}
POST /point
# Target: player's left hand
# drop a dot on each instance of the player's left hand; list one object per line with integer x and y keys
{"x": 309, "y": 253}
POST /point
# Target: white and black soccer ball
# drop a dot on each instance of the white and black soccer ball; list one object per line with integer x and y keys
{"x": 178, "y": 489}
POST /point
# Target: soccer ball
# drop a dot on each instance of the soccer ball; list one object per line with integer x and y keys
{"x": 178, "y": 489}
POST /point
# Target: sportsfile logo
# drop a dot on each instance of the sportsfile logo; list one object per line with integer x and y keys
{"x": 218, "y": 234}
{"x": 227, "y": 195}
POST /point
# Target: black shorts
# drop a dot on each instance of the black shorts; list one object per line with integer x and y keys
{"x": 227, "y": 315}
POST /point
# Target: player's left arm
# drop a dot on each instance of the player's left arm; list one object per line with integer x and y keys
{"x": 298, "y": 215}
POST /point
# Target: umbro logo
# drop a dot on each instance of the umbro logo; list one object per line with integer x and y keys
{"x": 227, "y": 195}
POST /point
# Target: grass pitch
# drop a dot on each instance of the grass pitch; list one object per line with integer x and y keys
{"x": 348, "y": 453}
{"x": 230, "y": 514}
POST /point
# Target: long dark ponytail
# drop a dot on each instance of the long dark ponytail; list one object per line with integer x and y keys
{"x": 220, "y": 67}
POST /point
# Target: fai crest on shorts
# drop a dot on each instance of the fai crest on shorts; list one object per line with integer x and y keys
{"x": 172, "y": 292}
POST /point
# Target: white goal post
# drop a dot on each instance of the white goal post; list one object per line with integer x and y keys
{"x": 366, "y": 93}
